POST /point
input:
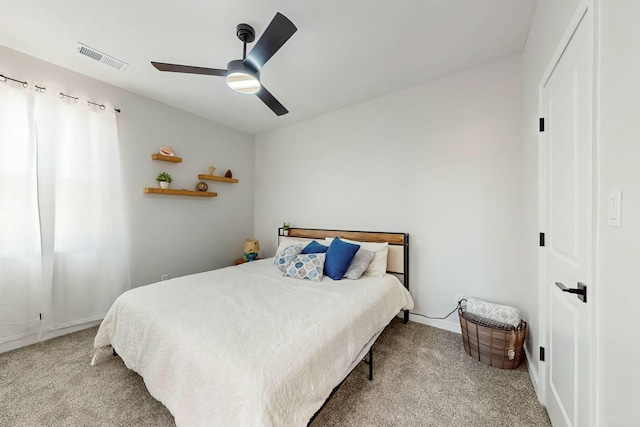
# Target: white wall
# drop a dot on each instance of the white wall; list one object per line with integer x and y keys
{"x": 619, "y": 251}
{"x": 549, "y": 24}
{"x": 441, "y": 161}
{"x": 168, "y": 234}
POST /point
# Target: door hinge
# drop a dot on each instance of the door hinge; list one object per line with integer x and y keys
{"x": 542, "y": 354}
{"x": 541, "y": 124}
{"x": 541, "y": 239}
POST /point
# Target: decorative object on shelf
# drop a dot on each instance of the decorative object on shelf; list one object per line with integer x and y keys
{"x": 285, "y": 228}
{"x": 251, "y": 249}
{"x": 164, "y": 179}
{"x": 166, "y": 151}
{"x": 228, "y": 174}
{"x": 202, "y": 186}
{"x": 211, "y": 169}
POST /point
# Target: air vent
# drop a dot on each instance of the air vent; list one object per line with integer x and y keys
{"x": 101, "y": 57}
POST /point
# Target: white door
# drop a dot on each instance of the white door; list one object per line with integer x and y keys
{"x": 566, "y": 154}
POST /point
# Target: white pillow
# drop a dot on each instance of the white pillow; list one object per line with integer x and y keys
{"x": 378, "y": 265}
{"x": 290, "y": 241}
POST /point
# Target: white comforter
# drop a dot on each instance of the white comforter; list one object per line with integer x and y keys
{"x": 243, "y": 346}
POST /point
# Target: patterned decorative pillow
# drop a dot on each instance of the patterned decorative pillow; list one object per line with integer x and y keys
{"x": 308, "y": 267}
{"x": 501, "y": 313}
{"x": 286, "y": 255}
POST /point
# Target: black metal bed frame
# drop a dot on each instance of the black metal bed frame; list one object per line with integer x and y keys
{"x": 368, "y": 362}
{"x": 405, "y": 282}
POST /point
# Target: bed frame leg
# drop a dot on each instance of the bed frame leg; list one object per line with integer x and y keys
{"x": 406, "y": 317}
{"x": 370, "y": 363}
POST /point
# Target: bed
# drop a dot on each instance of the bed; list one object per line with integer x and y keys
{"x": 244, "y": 346}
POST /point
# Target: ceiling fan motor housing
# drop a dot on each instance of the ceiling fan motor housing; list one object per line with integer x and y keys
{"x": 242, "y": 77}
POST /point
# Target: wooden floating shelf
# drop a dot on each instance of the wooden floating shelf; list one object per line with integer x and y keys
{"x": 218, "y": 178}
{"x": 169, "y": 191}
{"x": 172, "y": 159}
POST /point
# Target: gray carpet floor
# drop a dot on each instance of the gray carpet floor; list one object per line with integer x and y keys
{"x": 423, "y": 377}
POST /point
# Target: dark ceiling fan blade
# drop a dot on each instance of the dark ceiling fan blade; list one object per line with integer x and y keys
{"x": 277, "y": 33}
{"x": 174, "y": 68}
{"x": 271, "y": 102}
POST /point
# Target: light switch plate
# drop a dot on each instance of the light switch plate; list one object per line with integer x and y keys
{"x": 615, "y": 208}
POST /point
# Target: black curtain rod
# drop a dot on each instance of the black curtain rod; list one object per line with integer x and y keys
{"x": 42, "y": 89}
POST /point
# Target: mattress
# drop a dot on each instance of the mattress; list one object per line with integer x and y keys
{"x": 244, "y": 346}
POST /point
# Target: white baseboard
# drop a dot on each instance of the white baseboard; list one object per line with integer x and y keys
{"x": 436, "y": 323}
{"x": 34, "y": 339}
{"x": 533, "y": 374}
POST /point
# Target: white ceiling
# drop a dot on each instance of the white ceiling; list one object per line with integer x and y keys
{"x": 345, "y": 51}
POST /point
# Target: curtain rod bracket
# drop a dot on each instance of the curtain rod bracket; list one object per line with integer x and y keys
{"x": 102, "y": 107}
{"x": 64, "y": 95}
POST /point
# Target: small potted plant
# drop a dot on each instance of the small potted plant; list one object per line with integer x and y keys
{"x": 164, "y": 179}
{"x": 285, "y": 229}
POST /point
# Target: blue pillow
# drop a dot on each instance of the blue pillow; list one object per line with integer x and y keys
{"x": 339, "y": 256}
{"x": 314, "y": 248}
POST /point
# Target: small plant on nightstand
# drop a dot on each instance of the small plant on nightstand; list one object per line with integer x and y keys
{"x": 285, "y": 228}
{"x": 164, "y": 179}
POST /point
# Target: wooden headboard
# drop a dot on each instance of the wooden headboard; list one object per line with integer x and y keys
{"x": 398, "y": 257}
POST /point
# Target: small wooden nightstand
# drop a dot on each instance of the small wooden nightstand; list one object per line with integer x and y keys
{"x": 241, "y": 261}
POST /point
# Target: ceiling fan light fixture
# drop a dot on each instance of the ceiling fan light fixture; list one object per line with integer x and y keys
{"x": 240, "y": 78}
{"x": 243, "y": 83}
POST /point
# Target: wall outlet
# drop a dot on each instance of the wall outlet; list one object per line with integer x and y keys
{"x": 459, "y": 297}
{"x": 164, "y": 277}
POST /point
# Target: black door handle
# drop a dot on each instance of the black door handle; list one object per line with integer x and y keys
{"x": 580, "y": 291}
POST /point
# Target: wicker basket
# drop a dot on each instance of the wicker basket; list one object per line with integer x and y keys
{"x": 497, "y": 347}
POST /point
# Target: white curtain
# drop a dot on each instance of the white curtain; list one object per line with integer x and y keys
{"x": 20, "y": 256}
{"x": 81, "y": 230}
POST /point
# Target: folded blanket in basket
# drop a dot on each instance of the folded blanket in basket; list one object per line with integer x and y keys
{"x": 487, "y": 323}
{"x": 501, "y": 313}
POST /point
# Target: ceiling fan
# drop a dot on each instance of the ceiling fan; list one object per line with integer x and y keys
{"x": 243, "y": 75}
